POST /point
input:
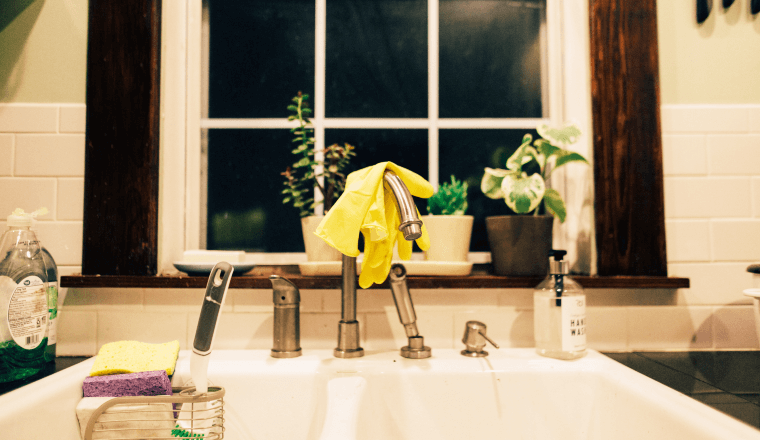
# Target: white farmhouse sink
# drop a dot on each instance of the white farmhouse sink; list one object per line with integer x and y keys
{"x": 511, "y": 394}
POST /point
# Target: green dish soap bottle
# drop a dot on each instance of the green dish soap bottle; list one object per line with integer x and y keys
{"x": 52, "y": 298}
{"x": 23, "y": 299}
{"x": 559, "y": 307}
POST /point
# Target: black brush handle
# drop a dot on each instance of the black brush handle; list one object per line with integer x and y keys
{"x": 218, "y": 282}
{"x": 703, "y": 10}
{"x": 755, "y": 6}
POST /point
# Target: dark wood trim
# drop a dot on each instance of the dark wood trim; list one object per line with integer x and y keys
{"x": 258, "y": 278}
{"x": 121, "y": 152}
{"x": 629, "y": 201}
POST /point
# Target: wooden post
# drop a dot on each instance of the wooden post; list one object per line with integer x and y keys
{"x": 630, "y": 219}
{"x": 121, "y": 152}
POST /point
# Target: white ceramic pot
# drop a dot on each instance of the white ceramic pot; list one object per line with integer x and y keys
{"x": 316, "y": 248}
{"x": 449, "y": 237}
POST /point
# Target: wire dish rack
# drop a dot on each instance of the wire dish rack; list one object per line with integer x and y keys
{"x": 183, "y": 415}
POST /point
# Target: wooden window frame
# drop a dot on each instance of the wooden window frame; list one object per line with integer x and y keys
{"x": 123, "y": 89}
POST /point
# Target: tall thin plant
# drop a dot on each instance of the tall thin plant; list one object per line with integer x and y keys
{"x": 326, "y": 174}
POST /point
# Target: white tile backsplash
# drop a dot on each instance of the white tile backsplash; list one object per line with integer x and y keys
{"x": 143, "y": 326}
{"x": 736, "y": 240}
{"x": 28, "y": 193}
{"x": 29, "y": 118}
{"x": 705, "y": 119}
{"x": 607, "y": 328}
{"x": 712, "y": 283}
{"x": 684, "y": 155}
{"x": 63, "y": 239}
{"x": 733, "y": 154}
{"x": 6, "y": 153}
{"x": 707, "y": 197}
{"x": 734, "y": 328}
{"x": 688, "y": 240}
{"x": 70, "y": 198}
{"x": 49, "y": 155}
{"x": 669, "y": 328}
{"x": 77, "y": 333}
{"x": 712, "y": 207}
{"x": 754, "y": 119}
{"x": 72, "y": 118}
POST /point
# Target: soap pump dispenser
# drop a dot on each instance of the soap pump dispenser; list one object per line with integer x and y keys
{"x": 559, "y": 306}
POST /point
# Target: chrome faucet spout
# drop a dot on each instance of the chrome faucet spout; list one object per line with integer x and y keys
{"x": 416, "y": 348}
{"x": 411, "y": 226}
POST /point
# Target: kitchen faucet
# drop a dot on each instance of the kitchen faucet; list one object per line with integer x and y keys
{"x": 348, "y": 327}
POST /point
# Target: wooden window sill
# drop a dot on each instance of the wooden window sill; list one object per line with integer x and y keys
{"x": 258, "y": 278}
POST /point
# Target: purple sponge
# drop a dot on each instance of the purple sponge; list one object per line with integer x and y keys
{"x": 147, "y": 383}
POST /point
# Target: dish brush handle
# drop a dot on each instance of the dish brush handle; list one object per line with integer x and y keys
{"x": 216, "y": 289}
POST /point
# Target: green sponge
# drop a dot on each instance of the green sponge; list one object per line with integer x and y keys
{"x": 135, "y": 357}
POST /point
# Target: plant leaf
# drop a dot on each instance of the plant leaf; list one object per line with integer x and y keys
{"x": 567, "y": 157}
{"x": 523, "y": 193}
{"x": 564, "y": 136}
{"x": 524, "y": 154}
{"x": 554, "y": 204}
{"x": 302, "y": 163}
{"x": 546, "y": 148}
{"x": 490, "y": 185}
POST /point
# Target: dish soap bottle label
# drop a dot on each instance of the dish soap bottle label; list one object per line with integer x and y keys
{"x": 52, "y": 298}
{"x": 574, "y": 323}
{"x": 28, "y": 312}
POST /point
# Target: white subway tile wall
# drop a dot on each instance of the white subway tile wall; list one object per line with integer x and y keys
{"x": 711, "y": 158}
{"x": 42, "y": 147}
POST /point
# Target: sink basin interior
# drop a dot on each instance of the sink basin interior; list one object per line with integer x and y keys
{"x": 513, "y": 393}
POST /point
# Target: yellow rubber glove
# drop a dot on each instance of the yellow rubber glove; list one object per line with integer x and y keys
{"x": 367, "y": 207}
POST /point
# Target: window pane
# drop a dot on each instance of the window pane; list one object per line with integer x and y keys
{"x": 407, "y": 148}
{"x": 490, "y": 58}
{"x": 245, "y": 209}
{"x": 376, "y": 59}
{"x": 465, "y": 154}
{"x": 261, "y": 53}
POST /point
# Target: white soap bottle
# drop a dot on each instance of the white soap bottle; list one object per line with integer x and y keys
{"x": 559, "y": 306}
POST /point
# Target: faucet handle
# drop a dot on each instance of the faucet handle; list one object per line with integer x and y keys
{"x": 475, "y": 339}
{"x": 286, "y": 333}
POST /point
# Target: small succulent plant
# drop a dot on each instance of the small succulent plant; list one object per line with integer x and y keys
{"x": 450, "y": 199}
{"x": 304, "y": 175}
{"x": 524, "y": 193}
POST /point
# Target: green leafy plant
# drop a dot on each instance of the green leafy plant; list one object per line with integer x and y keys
{"x": 450, "y": 199}
{"x": 524, "y": 193}
{"x": 325, "y": 173}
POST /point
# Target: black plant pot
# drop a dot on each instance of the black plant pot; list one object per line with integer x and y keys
{"x": 520, "y": 244}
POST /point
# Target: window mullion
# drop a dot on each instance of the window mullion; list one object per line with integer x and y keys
{"x": 320, "y": 62}
{"x": 433, "y": 92}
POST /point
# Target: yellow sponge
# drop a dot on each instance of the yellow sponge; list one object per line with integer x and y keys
{"x": 135, "y": 357}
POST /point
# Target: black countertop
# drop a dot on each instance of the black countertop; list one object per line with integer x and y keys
{"x": 51, "y": 368}
{"x": 728, "y": 381}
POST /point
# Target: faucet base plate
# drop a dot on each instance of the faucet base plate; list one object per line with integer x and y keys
{"x": 284, "y": 354}
{"x": 481, "y": 353}
{"x": 347, "y": 354}
{"x": 416, "y": 353}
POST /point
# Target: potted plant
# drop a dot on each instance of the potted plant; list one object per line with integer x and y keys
{"x": 447, "y": 225}
{"x": 520, "y": 244}
{"x": 325, "y": 173}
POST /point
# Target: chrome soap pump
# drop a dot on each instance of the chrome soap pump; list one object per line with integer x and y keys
{"x": 559, "y": 307}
